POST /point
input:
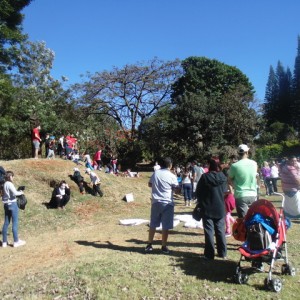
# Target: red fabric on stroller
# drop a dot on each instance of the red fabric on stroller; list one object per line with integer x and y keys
{"x": 267, "y": 210}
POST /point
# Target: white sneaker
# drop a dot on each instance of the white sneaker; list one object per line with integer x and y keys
{"x": 4, "y": 245}
{"x": 19, "y": 243}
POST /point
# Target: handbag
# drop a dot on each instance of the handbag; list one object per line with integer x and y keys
{"x": 21, "y": 201}
{"x": 197, "y": 215}
{"x": 239, "y": 230}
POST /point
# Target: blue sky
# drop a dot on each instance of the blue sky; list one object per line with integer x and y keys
{"x": 94, "y": 35}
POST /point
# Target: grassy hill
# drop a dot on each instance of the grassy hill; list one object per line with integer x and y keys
{"x": 83, "y": 253}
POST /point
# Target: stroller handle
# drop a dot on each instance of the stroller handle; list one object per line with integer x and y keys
{"x": 282, "y": 195}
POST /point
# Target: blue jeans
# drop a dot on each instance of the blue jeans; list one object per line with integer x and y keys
{"x": 11, "y": 212}
{"x": 187, "y": 191}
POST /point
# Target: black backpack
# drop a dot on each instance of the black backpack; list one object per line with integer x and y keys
{"x": 258, "y": 237}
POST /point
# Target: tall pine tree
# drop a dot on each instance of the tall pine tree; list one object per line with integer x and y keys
{"x": 283, "y": 113}
{"x": 296, "y": 90}
{"x": 278, "y": 100}
{"x": 271, "y": 97}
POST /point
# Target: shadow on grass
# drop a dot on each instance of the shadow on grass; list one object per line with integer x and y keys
{"x": 212, "y": 270}
{"x": 191, "y": 263}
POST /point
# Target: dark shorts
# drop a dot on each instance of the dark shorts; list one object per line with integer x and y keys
{"x": 162, "y": 214}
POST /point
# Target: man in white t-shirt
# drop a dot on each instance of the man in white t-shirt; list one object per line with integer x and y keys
{"x": 163, "y": 182}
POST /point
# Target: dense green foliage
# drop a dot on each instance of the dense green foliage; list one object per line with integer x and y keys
{"x": 282, "y": 98}
{"x": 277, "y": 151}
{"x": 211, "y": 112}
{"x": 10, "y": 31}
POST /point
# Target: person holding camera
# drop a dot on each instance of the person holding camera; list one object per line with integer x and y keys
{"x": 11, "y": 210}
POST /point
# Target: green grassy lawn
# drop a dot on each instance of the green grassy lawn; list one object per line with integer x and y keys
{"x": 83, "y": 253}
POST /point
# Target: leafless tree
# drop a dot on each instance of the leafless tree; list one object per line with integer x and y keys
{"x": 129, "y": 94}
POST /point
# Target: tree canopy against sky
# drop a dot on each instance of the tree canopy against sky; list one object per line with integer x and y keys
{"x": 225, "y": 94}
{"x": 10, "y": 30}
{"x": 130, "y": 94}
{"x": 210, "y": 77}
{"x": 296, "y": 90}
{"x": 211, "y": 109}
{"x": 282, "y": 98}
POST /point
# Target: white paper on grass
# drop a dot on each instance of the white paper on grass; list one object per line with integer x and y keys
{"x": 194, "y": 224}
{"x": 183, "y": 218}
{"x": 175, "y": 223}
{"x": 133, "y": 222}
{"x": 189, "y": 221}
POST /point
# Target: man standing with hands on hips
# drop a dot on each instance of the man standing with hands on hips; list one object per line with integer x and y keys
{"x": 163, "y": 182}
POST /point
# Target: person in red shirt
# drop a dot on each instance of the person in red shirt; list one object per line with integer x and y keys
{"x": 97, "y": 158}
{"x": 36, "y": 140}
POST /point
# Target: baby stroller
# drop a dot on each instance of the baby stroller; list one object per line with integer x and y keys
{"x": 265, "y": 243}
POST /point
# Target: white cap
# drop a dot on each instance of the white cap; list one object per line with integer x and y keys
{"x": 243, "y": 148}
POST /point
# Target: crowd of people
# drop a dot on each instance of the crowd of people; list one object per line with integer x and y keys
{"x": 219, "y": 189}
{"x": 66, "y": 147}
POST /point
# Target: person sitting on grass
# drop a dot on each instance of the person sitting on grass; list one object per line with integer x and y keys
{"x": 60, "y": 196}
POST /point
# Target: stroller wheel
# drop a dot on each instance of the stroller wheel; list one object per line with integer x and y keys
{"x": 241, "y": 278}
{"x": 276, "y": 284}
{"x": 287, "y": 269}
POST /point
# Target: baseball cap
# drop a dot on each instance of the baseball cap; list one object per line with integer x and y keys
{"x": 243, "y": 148}
{"x": 87, "y": 170}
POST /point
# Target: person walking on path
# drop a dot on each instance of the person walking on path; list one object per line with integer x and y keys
{"x": 163, "y": 182}
{"x": 11, "y": 210}
{"x": 242, "y": 176}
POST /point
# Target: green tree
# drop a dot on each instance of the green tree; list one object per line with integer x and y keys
{"x": 10, "y": 31}
{"x": 156, "y": 140}
{"x": 213, "y": 107}
{"x": 271, "y": 97}
{"x": 33, "y": 95}
{"x": 210, "y": 77}
{"x": 284, "y": 78}
{"x": 296, "y": 90}
{"x": 275, "y": 133}
{"x": 12, "y": 128}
